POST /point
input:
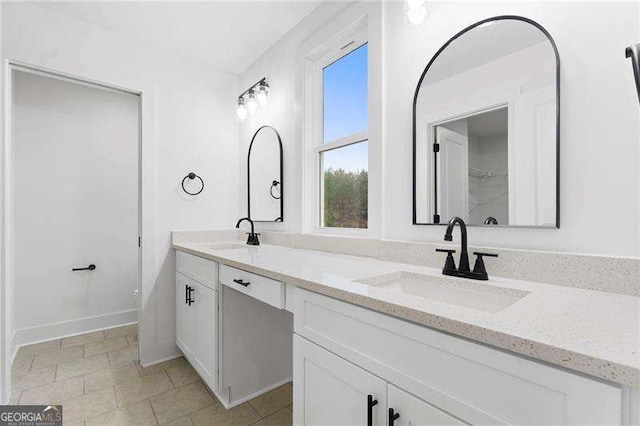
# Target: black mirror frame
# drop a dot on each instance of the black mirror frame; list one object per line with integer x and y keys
{"x": 281, "y": 217}
{"x": 415, "y": 100}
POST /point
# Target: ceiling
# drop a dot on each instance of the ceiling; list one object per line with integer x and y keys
{"x": 227, "y": 35}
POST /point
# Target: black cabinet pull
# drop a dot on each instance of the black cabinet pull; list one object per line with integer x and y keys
{"x": 189, "y": 299}
{"x": 246, "y": 284}
{"x": 91, "y": 267}
{"x": 370, "y": 404}
{"x": 186, "y": 294}
{"x": 393, "y": 416}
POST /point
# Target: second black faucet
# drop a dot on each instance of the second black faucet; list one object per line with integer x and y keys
{"x": 252, "y": 238}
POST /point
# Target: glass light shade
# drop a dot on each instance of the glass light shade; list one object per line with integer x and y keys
{"x": 415, "y": 4}
{"x": 416, "y": 16}
{"x": 252, "y": 103}
{"x": 242, "y": 110}
{"x": 263, "y": 95}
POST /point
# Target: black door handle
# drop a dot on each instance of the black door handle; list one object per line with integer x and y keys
{"x": 393, "y": 416}
{"x": 246, "y": 284}
{"x": 370, "y": 404}
{"x": 91, "y": 267}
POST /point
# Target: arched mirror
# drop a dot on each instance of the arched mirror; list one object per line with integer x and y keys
{"x": 264, "y": 176}
{"x": 486, "y": 126}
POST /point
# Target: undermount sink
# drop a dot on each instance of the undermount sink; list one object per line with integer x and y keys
{"x": 222, "y": 246}
{"x": 461, "y": 292}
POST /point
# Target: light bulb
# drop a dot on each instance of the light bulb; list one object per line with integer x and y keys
{"x": 415, "y": 17}
{"x": 263, "y": 94}
{"x": 242, "y": 110}
{"x": 252, "y": 104}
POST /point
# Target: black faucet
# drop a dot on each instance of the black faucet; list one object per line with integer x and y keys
{"x": 479, "y": 272}
{"x": 252, "y": 239}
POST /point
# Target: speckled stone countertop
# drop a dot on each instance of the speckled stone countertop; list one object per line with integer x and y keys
{"x": 595, "y": 333}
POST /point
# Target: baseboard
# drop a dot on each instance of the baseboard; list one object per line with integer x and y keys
{"x": 168, "y": 358}
{"x": 42, "y": 333}
{"x": 256, "y": 394}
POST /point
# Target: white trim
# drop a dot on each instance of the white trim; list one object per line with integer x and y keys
{"x": 343, "y": 141}
{"x": 253, "y": 395}
{"x": 59, "y": 330}
{"x": 146, "y": 208}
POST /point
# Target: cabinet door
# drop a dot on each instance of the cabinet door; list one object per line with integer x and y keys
{"x": 206, "y": 349}
{"x": 185, "y": 317}
{"x": 331, "y": 391}
{"x": 412, "y": 411}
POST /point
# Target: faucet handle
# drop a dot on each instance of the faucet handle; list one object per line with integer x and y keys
{"x": 450, "y": 263}
{"x": 479, "y": 268}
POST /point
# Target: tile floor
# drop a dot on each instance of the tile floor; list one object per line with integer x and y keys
{"x": 96, "y": 377}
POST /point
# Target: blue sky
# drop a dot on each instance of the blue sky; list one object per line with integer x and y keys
{"x": 346, "y": 108}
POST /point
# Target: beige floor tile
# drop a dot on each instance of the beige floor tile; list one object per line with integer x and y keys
{"x": 57, "y": 356}
{"x": 182, "y": 421}
{"x": 34, "y": 378}
{"x": 126, "y": 330}
{"x": 89, "y": 405}
{"x": 180, "y": 402}
{"x": 274, "y": 400}
{"x": 217, "y": 415}
{"x": 105, "y": 346}
{"x": 142, "y": 388}
{"x": 21, "y": 365}
{"x": 39, "y": 348}
{"x": 153, "y": 369}
{"x": 283, "y": 417}
{"x": 133, "y": 340}
{"x": 82, "y": 366}
{"x": 53, "y": 393}
{"x": 95, "y": 336}
{"x": 139, "y": 413}
{"x": 110, "y": 376}
{"x": 183, "y": 375}
{"x": 123, "y": 356}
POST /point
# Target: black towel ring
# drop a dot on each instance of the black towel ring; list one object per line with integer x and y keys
{"x": 192, "y": 175}
{"x": 274, "y": 184}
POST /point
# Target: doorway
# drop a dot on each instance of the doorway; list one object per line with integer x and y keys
{"x": 75, "y": 193}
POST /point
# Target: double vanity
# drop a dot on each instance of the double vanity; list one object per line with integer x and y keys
{"x": 374, "y": 342}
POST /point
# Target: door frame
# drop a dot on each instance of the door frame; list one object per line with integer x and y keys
{"x": 146, "y": 202}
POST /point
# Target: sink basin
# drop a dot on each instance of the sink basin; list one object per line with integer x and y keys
{"x": 222, "y": 246}
{"x": 461, "y": 292}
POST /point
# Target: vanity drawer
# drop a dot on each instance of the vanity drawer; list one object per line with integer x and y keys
{"x": 259, "y": 287}
{"x": 202, "y": 270}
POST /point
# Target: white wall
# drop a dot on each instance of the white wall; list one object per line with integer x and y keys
{"x": 600, "y": 126}
{"x": 188, "y": 124}
{"x": 75, "y": 162}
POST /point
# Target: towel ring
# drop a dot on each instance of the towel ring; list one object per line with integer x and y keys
{"x": 192, "y": 176}
{"x": 273, "y": 185}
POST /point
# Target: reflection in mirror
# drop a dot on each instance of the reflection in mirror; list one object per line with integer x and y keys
{"x": 486, "y": 128}
{"x": 264, "y": 176}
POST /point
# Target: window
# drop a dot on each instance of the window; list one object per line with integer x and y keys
{"x": 344, "y": 152}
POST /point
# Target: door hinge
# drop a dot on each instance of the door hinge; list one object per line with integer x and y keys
{"x": 139, "y": 241}
{"x": 436, "y": 147}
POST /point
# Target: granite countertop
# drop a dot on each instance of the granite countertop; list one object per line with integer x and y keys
{"x": 595, "y": 333}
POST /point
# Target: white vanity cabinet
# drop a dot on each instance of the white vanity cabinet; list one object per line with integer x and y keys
{"x": 430, "y": 377}
{"x": 197, "y": 314}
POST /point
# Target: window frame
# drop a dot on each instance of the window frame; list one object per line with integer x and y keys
{"x": 350, "y": 39}
{"x": 333, "y": 56}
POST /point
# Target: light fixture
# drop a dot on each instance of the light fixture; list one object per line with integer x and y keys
{"x": 416, "y": 11}
{"x": 252, "y": 103}
{"x": 249, "y": 100}
{"x": 263, "y": 93}
{"x": 242, "y": 110}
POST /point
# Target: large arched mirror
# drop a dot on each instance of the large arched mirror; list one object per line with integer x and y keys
{"x": 486, "y": 128}
{"x": 264, "y": 176}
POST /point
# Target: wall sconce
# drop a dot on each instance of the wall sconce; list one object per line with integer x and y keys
{"x": 416, "y": 11}
{"x": 250, "y": 99}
